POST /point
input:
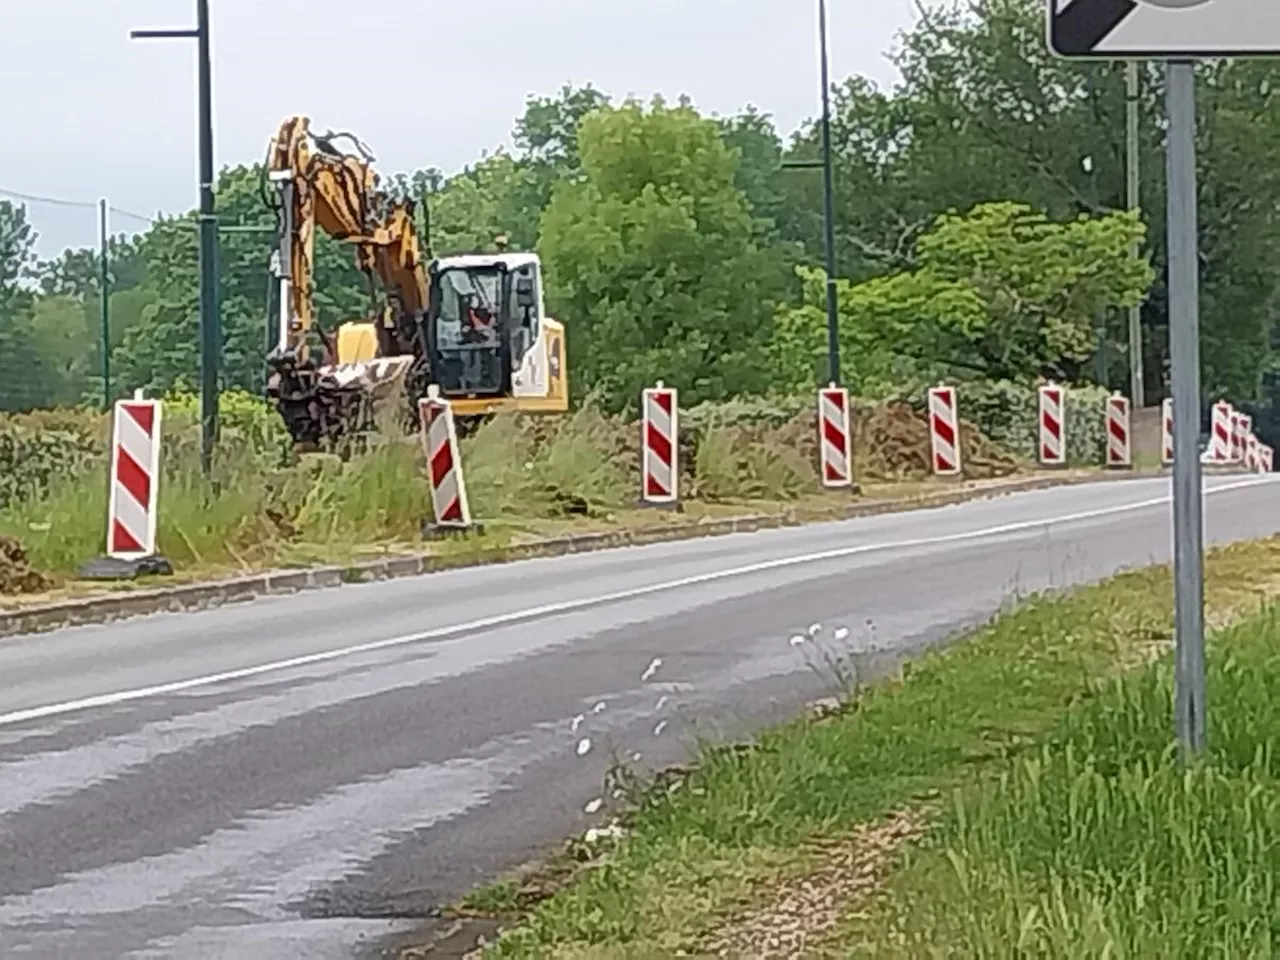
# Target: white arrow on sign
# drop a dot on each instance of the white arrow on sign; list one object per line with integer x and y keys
{"x": 1155, "y": 29}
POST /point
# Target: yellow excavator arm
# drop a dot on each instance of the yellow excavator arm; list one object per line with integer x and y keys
{"x": 322, "y": 187}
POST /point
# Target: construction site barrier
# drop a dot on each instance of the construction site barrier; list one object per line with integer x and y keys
{"x": 835, "y": 437}
{"x": 444, "y": 464}
{"x": 1221, "y": 433}
{"x": 944, "y": 431}
{"x": 1052, "y": 425}
{"x": 1119, "y": 434}
{"x": 1166, "y": 432}
{"x": 659, "y": 445}
{"x": 135, "y": 479}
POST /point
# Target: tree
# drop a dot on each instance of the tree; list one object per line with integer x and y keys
{"x": 651, "y": 257}
{"x": 23, "y": 383}
{"x": 984, "y": 112}
{"x": 999, "y": 293}
{"x": 161, "y": 349}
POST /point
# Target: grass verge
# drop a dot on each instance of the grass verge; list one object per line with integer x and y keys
{"x": 1063, "y": 822}
{"x": 527, "y": 477}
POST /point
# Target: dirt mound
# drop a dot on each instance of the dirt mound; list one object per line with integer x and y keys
{"x": 16, "y": 573}
{"x": 892, "y": 443}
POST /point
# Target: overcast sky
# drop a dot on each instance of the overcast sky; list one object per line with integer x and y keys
{"x": 89, "y": 113}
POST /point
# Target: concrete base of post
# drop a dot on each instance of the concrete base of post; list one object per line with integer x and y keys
{"x": 113, "y": 568}
{"x": 439, "y": 531}
{"x": 674, "y": 506}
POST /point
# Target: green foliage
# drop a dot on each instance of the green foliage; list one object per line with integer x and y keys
{"x": 1000, "y": 292}
{"x": 651, "y": 256}
{"x": 1006, "y": 413}
{"x": 984, "y": 112}
{"x": 243, "y": 418}
{"x": 33, "y": 459}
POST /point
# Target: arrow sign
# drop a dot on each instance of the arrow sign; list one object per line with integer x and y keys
{"x": 1159, "y": 29}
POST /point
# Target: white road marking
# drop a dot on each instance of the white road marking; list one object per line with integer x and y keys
{"x": 571, "y": 606}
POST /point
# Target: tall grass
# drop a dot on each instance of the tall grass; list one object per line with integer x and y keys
{"x": 265, "y": 506}
{"x": 1102, "y": 844}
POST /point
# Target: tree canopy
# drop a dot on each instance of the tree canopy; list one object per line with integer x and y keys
{"x": 980, "y": 234}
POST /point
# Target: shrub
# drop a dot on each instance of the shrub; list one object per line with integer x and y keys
{"x": 1007, "y": 412}
{"x": 34, "y": 459}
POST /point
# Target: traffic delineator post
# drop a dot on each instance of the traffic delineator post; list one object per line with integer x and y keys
{"x": 660, "y": 446}
{"x": 451, "y": 510}
{"x": 132, "y": 495}
{"x": 835, "y": 438}
{"x": 944, "y": 432}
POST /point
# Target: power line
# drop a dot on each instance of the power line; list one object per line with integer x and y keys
{"x": 78, "y": 204}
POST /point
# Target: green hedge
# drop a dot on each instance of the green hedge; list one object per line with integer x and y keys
{"x": 1007, "y": 413}
{"x": 33, "y": 459}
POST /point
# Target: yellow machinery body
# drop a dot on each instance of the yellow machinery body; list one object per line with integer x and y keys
{"x": 474, "y": 325}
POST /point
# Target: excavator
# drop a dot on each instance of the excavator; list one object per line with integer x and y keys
{"x": 474, "y": 325}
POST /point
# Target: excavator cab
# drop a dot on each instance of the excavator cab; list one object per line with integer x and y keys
{"x": 484, "y": 327}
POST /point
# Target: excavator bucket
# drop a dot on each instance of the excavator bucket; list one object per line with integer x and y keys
{"x": 378, "y": 378}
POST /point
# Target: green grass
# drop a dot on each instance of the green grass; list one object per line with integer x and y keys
{"x": 1100, "y": 843}
{"x": 975, "y": 722}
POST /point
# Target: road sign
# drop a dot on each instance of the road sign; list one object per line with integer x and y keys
{"x": 1164, "y": 29}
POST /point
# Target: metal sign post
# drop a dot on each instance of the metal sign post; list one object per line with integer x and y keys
{"x": 1180, "y": 32}
{"x": 1184, "y": 357}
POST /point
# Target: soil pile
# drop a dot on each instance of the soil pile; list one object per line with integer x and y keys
{"x": 16, "y": 573}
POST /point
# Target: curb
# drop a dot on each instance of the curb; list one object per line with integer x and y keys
{"x": 202, "y": 596}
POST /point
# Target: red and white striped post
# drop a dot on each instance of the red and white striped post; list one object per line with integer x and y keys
{"x": 1166, "y": 432}
{"x": 135, "y": 479}
{"x": 944, "y": 431}
{"x": 1238, "y": 434}
{"x": 1266, "y": 459}
{"x": 1252, "y": 453}
{"x": 1220, "y": 432}
{"x": 1052, "y": 425}
{"x": 444, "y": 464}
{"x": 835, "y": 437}
{"x": 659, "y": 445}
{"x": 1119, "y": 437}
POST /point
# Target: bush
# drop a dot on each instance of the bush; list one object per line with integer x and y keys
{"x": 243, "y": 419}
{"x": 1007, "y": 412}
{"x": 34, "y": 459}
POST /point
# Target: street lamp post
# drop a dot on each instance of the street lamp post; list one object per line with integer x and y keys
{"x": 829, "y": 207}
{"x": 828, "y": 204}
{"x": 210, "y": 320}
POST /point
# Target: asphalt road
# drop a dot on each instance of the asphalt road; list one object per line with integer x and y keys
{"x": 310, "y": 776}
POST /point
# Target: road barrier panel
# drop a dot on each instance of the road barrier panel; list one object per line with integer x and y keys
{"x": 1119, "y": 433}
{"x": 449, "y": 505}
{"x": 835, "y": 437}
{"x": 1052, "y": 425}
{"x": 1252, "y": 454}
{"x": 1266, "y": 459}
{"x": 1238, "y": 434}
{"x": 1220, "y": 433}
{"x": 1166, "y": 432}
{"x": 944, "y": 431}
{"x": 659, "y": 446}
{"x": 133, "y": 494}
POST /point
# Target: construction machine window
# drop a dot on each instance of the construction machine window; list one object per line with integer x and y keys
{"x": 470, "y": 309}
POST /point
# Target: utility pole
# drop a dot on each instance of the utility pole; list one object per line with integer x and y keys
{"x": 1137, "y": 380}
{"x": 829, "y": 208}
{"x": 210, "y": 319}
{"x": 104, "y": 286}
